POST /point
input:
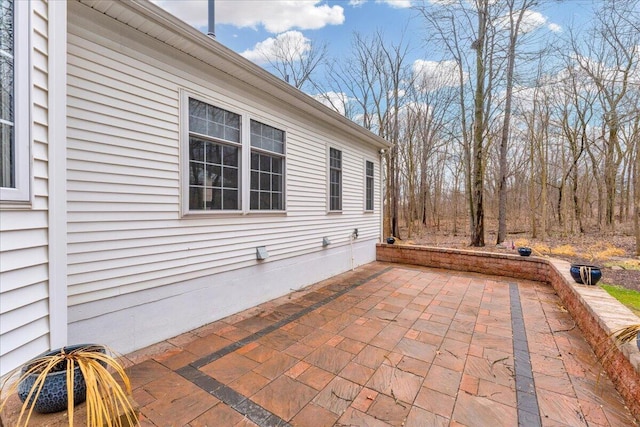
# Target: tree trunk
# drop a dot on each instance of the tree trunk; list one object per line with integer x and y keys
{"x": 477, "y": 230}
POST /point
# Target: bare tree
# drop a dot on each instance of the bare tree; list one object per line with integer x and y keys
{"x": 374, "y": 80}
{"x": 515, "y": 13}
{"x": 610, "y": 60}
{"x": 294, "y": 57}
{"x": 458, "y": 26}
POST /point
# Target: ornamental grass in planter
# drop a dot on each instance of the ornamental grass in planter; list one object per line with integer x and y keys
{"x": 628, "y": 334}
{"x": 83, "y": 369}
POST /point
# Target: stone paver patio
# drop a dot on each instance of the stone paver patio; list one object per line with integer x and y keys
{"x": 384, "y": 345}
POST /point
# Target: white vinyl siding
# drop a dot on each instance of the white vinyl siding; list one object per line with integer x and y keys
{"x": 24, "y": 306}
{"x": 129, "y": 243}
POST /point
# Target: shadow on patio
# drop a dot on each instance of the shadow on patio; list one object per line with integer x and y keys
{"x": 384, "y": 345}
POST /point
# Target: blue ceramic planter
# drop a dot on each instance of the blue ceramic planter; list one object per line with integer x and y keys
{"x": 524, "y": 251}
{"x": 585, "y": 274}
{"x": 53, "y": 396}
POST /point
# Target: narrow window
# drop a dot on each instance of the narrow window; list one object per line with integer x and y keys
{"x": 267, "y": 167}
{"x": 335, "y": 179}
{"x": 14, "y": 101}
{"x": 368, "y": 186}
{"x": 214, "y": 157}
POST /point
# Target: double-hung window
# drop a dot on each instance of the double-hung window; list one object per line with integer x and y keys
{"x": 234, "y": 165}
{"x": 267, "y": 167}
{"x": 214, "y": 157}
{"x": 335, "y": 179}
{"x": 368, "y": 202}
{"x": 14, "y": 101}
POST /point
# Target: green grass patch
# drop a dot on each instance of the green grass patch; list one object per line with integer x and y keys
{"x": 628, "y": 297}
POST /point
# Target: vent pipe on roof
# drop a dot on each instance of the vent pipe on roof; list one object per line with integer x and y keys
{"x": 211, "y": 6}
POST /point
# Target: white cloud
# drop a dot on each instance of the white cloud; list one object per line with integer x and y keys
{"x": 555, "y": 28}
{"x": 292, "y": 44}
{"x": 335, "y": 100}
{"x": 531, "y": 20}
{"x": 275, "y": 16}
{"x": 443, "y": 2}
{"x": 397, "y": 4}
{"x": 432, "y": 75}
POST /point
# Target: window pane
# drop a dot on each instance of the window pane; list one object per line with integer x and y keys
{"x": 267, "y": 137}
{"x": 230, "y": 199}
{"x": 215, "y": 130}
{"x": 196, "y": 149}
{"x": 6, "y": 86}
{"x": 214, "y": 176}
{"x": 265, "y": 163}
{"x": 196, "y": 199}
{"x": 230, "y": 155}
{"x": 276, "y": 165}
{"x": 7, "y": 143}
{"x": 275, "y": 182}
{"x": 214, "y": 201}
{"x": 255, "y": 200}
{"x": 215, "y": 115}
{"x": 213, "y": 121}
{"x": 7, "y": 159}
{"x": 197, "y": 109}
{"x": 255, "y": 180}
{"x": 231, "y": 134}
{"x": 276, "y": 201}
{"x": 265, "y": 200}
{"x": 230, "y": 177}
{"x": 213, "y": 153}
{"x": 265, "y": 182}
{"x": 196, "y": 173}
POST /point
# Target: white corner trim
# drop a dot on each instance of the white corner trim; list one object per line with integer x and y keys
{"x": 57, "y": 142}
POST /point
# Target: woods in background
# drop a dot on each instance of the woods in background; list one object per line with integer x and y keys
{"x": 536, "y": 130}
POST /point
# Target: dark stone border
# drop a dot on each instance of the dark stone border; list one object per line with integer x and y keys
{"x": 527, "y": 401}
{"x": 243, "y": 405}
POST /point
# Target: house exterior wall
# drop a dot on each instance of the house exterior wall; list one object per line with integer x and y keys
{"x": 140, "y": 271}
{"x": 24, "y": 269}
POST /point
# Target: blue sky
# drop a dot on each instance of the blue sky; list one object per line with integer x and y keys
{"x": 247, "y": 25}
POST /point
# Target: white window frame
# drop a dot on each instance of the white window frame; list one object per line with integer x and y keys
{"x": 273, "y": 154}
{"x": 373, "y": 186}
{"x": 244, "y": 162}
{"x": 329, "y": 209}
{"x": 22, "y": 111}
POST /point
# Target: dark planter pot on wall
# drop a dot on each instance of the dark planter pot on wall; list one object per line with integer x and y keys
{"x": 524, "y": 251}
{"x": 585, "y": 274}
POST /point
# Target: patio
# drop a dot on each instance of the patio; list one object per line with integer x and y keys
{"x": 384, "y": 345}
